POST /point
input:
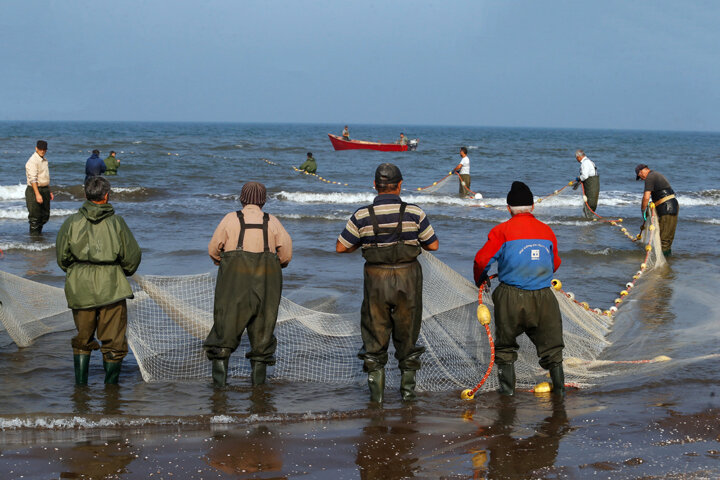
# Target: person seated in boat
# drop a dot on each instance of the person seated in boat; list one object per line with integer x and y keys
{"x": 402, "y": 140}
{"x": 310, "y": 165}
{"x": 346, "y": 133}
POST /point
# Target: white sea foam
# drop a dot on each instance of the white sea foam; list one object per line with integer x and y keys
{"x": 21, "y": 213}
{"x": 12, "y": 192}
{"x": 34, "y": 247}
{"x": 297, "y": 216}
{"x": 711, "y": 221}
{"x": 365, "y": 198}
{"x": 127, "y": 189}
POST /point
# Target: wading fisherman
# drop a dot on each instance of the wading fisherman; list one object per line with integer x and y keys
{"x": 310, "y": 165}
{"x": 667, "y": 208}
{"x": 251, "y": 248}
{"x": 37, "y": 193}
{"x": 111, "y": 164}
{"x": 527, "y": 255}
{"x": 391, "y": 234}
{"x": 97, "y": 250}
{"x": 94, "y": 165}
{"x": 463, "y": 170}
{"x": 590, "y": 179}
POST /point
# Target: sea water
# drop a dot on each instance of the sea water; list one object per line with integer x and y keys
{"x": 177, "y": 180}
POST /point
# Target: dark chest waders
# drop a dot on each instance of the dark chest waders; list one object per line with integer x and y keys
{"x": 392, "y": 304}
{"x": 247, "y": 295}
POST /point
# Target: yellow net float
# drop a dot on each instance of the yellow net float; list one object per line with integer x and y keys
{"x": 483, "y": 314}
{"x": 661, "y": 358}
{"x": 570, "y": 183}
{"x": 623, "y": 229}
{"x": 556, "y": 284}
{"x": 652, "y": 205}
{"x": 619, "y": 219}
{"x": 434, "y": 183}
{"x": 467, "y": 394}
{"x": 618, "y": 301}
{"x": 623, "y": 293}
{"x": 539, "y": 200}
{"x": 418, "y": 189}
{"x": 594, "y": 219}
{"x": 542, "y": 387}
{"x": 651, "y": 227}
{"x": 607, "y": 313}
{"x": 556, "y": 192}
{"x": 643, "y": 266}
{"x": 585, "y": 305}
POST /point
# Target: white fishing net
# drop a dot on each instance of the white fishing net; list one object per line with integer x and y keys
{"x": 171, "y": 316}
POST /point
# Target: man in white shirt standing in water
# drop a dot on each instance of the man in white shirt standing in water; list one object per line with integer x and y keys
{"x": 463, "y": 169}
{"x": 591, "y": 183}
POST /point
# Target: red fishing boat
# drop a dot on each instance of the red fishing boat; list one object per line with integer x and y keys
{"x": 340, "y": 144}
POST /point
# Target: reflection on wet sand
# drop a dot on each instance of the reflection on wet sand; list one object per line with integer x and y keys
{"x": 500, "y": 455}
{"x": 96, "y": 459}
{"x": 385, "y": 448}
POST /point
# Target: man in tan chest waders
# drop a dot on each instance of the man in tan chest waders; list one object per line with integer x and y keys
{"x": 391, "y": 234}
{"x": 251, "y": 248}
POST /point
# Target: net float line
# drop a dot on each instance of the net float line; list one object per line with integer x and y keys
{"x": 483, "y": 316}
{"x": 420, "y": 189}
{"x": 297, "y": 170}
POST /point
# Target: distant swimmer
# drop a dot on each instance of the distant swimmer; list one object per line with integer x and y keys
{"x": 111, "y": 164}
{"x": 94, "y": 165}
{"x": 391, "y": 234}
{"x": 252, "y": 248}
{"x": 310, "y": 165}
{"x": 463, "y": 170}
{"x": 402, "y": 140}
{"x": 590, "y": 179}
{"x": 667, "y": 208}
{"x": 37, "y": 193}
{"x": 346, "y": 133}
{"x": 527, "y": 255}
{"x": 97, "y": 251}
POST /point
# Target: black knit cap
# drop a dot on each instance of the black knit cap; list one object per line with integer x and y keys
{"x": 253, "y": 193}
{"x": 387, "y": 174}
{"x": 41, "y": 145}
{"x": 519, "y": 195}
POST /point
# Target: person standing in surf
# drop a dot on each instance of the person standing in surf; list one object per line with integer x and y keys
{"x": 94, "y": 165}
{"x": 111, "y": 164}
{"x": 667, "y": 207}
{"x": 391, "y": 234}
{"x": 527, "y": 255}
{"x": 37, "y": 194}
{"x": 97, "y": 250}
{"x": 251, "y": 247}
{"x": 590, "y": 179}
{"x": 463, "y": 171}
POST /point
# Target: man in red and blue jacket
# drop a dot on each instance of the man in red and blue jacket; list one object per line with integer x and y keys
{"x": 526, "y": 252}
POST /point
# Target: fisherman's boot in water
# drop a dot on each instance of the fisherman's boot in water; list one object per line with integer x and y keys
{"x": 376, "y": 382}
{"x": 667, "y": 252}
{"x": 506, "y": 377}
{"x": 112, "y": 372}
{"x": 407, "y": 385}
{"x": 259, "y": 372}
{"x": 82, "y": 365}
{"x": 557, "y": 375}
{"x": 219, "y": 371}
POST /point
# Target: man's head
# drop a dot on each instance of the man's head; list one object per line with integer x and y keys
{"x": 463, "y": 151}
{"x": 641, "y": 172}
{"x": 309, "y": 154}
{"x": 579, "y": 155}
{"x": 97, "y": 190}
{"x": 41, "y": 147}
{"x": 388, "y": 178}
{"x": 346, "y": 127}
{"x": 112, "y": 153}
{"x": 519, "y": 198}
{"x": 253, "y": 193}
{"x": 402, "y": 135}
{"x": 96, "y": 152}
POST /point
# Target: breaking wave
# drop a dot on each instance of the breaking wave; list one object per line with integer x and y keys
{"x": 21, "y": 213}
{"x": 33, "y": 247}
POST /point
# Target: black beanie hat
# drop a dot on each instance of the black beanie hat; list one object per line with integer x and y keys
{"x": 519, "y": 195}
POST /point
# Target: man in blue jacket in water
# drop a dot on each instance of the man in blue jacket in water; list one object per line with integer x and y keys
{"x": 527, "y": 255}
{"x": 94, "y": 165}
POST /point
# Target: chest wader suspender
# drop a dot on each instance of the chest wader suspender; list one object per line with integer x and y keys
{"x": 243, "y": 226}
{"x": 376, "y": 226}
{"x": 399, "y": 252}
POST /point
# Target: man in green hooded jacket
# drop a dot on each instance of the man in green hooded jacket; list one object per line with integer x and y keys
{"x": 111, "y": 164}
{"x": 310, "y": 165}
{"x": 97, "y": 251}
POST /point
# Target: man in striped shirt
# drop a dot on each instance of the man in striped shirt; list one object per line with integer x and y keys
{"x": 391, "y": 234}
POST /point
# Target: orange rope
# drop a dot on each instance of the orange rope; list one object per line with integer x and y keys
{"x": 490, "y": 341}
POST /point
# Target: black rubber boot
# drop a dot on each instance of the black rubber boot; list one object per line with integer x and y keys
{"x": 407, "y": 385}
{"x": 219, "y": 372}
{"x": 506, "y": 377}
{"x": 82, "y": 365}
{"x": 112, "y": 372}
{"x": 376, "y": 382}
{"x": 259, "y": 373}
{"x": 557, "y": 375}
{"x": 667, "y": 253}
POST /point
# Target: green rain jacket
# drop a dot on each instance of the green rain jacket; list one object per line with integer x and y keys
{"x": 111, "y": 165}
{"x": 97, "y": 250}
{"x": 310, "y": 166}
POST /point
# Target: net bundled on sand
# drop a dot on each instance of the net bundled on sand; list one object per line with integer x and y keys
{"x": 171, "y": 316}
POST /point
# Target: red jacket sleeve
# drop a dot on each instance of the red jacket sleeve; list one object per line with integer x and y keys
{"x": 495, "y": 241}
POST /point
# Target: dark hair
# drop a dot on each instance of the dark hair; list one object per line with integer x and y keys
{"x": 112, "y": 151}
{"x": 385, "y": 187}
{"x": 309, "y": 154}
{"x": 96, "y": 188}
{"x": 96, "y": 152}
{"x": 464, "y": 150}
{"x": 41, "y": 145}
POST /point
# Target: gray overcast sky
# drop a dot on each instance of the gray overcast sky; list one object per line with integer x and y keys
{"x": 635, "y": 64}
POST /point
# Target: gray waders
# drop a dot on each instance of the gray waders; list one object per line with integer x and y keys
{"x": 392, "y": 304}
{"x": 247, "y": 296}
